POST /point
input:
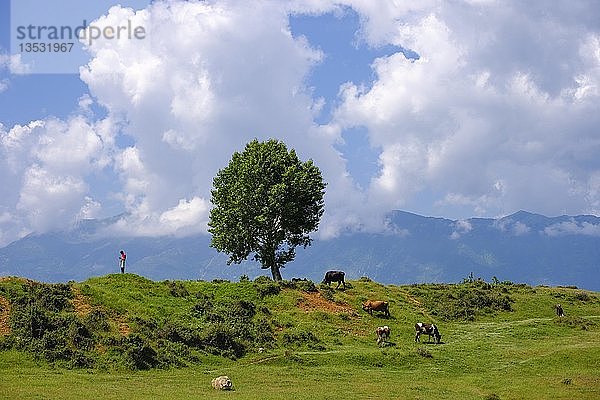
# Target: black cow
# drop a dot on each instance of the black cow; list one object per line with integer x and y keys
{"x": 427, "y": 329}
{"x": 559, "y": 310}
{"x": 334, "y": 276}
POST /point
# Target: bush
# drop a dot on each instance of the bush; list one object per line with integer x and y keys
{"x": 424, "y": 352}
{"x": 177, "y": 289}
{"x": 464, "y": 301}
{"x": 300, "y": 284}
{"x": 302, "y": 338}
{"x": 220, "y": 339}
{"x": 138, "y": 352}
{"x": 265, "y": 289}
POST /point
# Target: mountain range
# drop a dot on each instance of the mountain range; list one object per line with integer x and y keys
{"x": 522, "y": 247}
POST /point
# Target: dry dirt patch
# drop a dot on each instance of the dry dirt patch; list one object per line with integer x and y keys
{"x": 4, "y": 316}
{"x": 316, "y": 302}
{"x": 80, "y": 303}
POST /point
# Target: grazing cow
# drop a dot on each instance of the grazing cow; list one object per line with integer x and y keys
{"x": 335, "y": 276}
{"x": 427, "y": 329}
{"x": 559, "y": 310}
{"x": 377, "y": 305}
{"x": 383, "y": 334}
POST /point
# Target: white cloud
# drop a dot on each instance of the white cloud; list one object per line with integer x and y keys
{"x": 498, "y": 113}
{"x": 483, "y": 104}
{"x": 209, "y": 79}
{"x": 45, "y": 166}
{"x": 573, "y": 227}
{"x": 460, "y": 228}
{"x": 14, "y": 64}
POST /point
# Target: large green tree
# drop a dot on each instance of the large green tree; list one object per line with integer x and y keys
{"x": 266, "y": 202}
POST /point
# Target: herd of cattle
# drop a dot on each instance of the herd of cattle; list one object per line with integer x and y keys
{"x": 384, "y": 332}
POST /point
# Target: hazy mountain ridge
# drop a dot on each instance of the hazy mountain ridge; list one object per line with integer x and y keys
{"x": 522, "y": 247}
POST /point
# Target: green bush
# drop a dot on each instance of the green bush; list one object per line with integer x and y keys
{"x": 464, "y": 301}
{"x": 176, "y": 288}
{"x": 267, "y": 288}
{"x": 139, "y": 353}
{"x": 302, "y": 338}
{"x": 220, "y": 339}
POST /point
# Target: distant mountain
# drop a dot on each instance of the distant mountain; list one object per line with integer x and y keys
{"x": 522, "y": 247}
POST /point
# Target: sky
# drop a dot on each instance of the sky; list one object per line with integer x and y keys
{"x": 458, "y": 109}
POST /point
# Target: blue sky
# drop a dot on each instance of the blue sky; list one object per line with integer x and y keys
{"x": 444, "y": 108}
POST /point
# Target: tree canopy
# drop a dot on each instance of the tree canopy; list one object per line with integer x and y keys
{"x": 266, "y": 202}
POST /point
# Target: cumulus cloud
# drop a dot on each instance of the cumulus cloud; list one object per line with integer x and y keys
{"x": 460, "y": 228}
{"x": 573, "y": 227}
{"x": 494, "y": 115}
{"x": 208, "y": 80}
{"x": 516, "y": 228}
{"x": 45, "y": 165}
{"x": 483, "y": 118}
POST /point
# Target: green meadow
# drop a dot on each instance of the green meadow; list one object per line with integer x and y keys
{"x": 123, "y": 336}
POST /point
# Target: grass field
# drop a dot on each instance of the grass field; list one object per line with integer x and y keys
{"x": 522, "y": 353}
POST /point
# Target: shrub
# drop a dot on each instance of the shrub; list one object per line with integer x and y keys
{"x": 327, "y": 292}
{"x": 464, "y": 301}
{"x": 582, "y": 296}
{"x": 177, "y": 289}
{"x": 96, "y": 321}
{"x": 139, "y": 353}
{"x": 300, "y": 339}
{"x": 423, "y": 352}
{"x": 266, "y": 289}
{"x": 300, "y": 284}
{"x": 220, "y": 339}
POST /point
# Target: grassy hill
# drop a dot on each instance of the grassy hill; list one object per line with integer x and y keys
{"x": 123, "y": 336}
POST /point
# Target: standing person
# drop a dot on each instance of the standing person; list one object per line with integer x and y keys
{"x": 122, "y": 259}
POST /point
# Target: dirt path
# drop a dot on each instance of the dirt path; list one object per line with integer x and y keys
{"x": 4, "y": 316}
{"x": 315, "y": 301}
{"x": 81, "y": 304}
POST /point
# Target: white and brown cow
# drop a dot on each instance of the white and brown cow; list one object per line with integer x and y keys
{"x": 383, "y": 334}
{"x": 377, "y": 305}
{"x": 427, "y": 329}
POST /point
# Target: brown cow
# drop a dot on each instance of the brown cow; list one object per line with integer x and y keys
{"x": 377, "y": 305}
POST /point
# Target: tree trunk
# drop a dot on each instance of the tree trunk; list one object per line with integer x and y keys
{"x": 276, "y": 273}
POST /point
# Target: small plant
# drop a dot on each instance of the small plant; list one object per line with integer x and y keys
{"x": 582, "y": 296}
{"x": 266, "y": 287}
{"x": 177, "y": 289}
{"x": 327, "y": 292}
{"x": 423, "y": 352}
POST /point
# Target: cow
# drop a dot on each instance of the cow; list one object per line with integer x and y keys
{"x": 427, "y": 329}
{"x": 377, "y": 305}
{"x": 559, "y": 310}
{"x": 383, "y": 334}
{"x": 334, "y": 276}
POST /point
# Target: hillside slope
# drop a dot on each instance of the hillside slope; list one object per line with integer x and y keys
{"x": 493, "y": 336}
